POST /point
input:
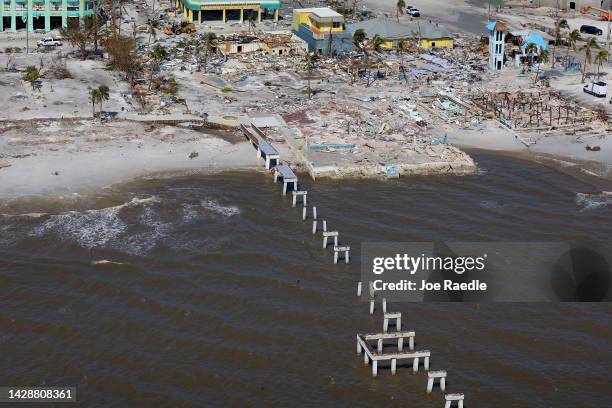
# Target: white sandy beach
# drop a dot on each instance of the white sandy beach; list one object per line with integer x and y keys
{"x": 52, "y": 159}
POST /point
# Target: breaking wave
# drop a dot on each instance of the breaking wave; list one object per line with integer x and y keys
{"x": 594, "y": 201}
{"x": 91, "y": 228}
{"x": 157, "y": 229}
{"x": 227, "y": 211}
{"x": 490, "y": 204}
{"x": 106, "y": 262}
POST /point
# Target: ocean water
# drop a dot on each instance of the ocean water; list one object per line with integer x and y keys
{"x": 209, "y": 290}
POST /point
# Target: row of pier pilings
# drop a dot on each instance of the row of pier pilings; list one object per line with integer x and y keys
{"x": 376, "y": 348}
{"x": 339, "y": 251}
{"x": 282, "y": 172}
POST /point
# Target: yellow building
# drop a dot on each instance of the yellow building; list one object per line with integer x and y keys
{"x": 317, "y": 25}
{"x": 321, "y": 20}
{"x": 391, "y": 32}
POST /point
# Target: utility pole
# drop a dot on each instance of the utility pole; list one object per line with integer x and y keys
{"x": 27, "y": 36}
{"x": 609, "y": 26}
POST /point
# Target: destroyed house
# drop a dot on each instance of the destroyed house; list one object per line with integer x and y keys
{"x": 277, "y": 43}
{"x": 323, "y": 30}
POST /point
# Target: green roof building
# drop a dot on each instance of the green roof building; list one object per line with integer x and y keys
{"x": 206, "y": 10}
{"x": 42, "y": 14}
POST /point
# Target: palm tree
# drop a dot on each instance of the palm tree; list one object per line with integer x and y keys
{"x": 600, "y": 59}
{"x": 311, "y": 60}
{"x": 210, "y": 44}
{"x": 530, "y": 50}
{"x": 541, "y": 59}
{"x": 120, "y": 14}
{"x": 589, "y": 45}
{"x": 559, "y": 25}
{"x": 400, "y": 6}
{"x": 402, "y": 43}
{"x": 103, "y": 92}
{"x": 153, "y": 27}
{"x": 358, "y": 38}
{"x": 94, "y": 97}
{"x": 251, "y": 20}
{"x": 376, "y": 43}
{"x": 158, "y": 54}
{"x": 31, "y": 74}
{"x": 197, "y": 51}
{"x": 572, "y": 40}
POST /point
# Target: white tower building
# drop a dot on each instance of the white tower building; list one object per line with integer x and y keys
{"x": 497, "y": 38}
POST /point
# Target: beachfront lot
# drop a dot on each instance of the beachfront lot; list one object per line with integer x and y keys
{"x": 378, "y": 119}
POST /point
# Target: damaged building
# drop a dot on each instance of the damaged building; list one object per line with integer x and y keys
{"x": 277, "y": 43}
{"x": 423, "y": 34}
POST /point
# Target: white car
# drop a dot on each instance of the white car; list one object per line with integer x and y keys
{"x": 598, "y": 89}
{"x": 49, "y": 42}
{"x": 413, "y": 11}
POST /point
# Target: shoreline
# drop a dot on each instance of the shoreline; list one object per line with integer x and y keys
{"x": 240, "y": 157}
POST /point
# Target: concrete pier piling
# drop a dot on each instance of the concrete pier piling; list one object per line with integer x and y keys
{"x": 314, "y": 212}
{"x": 431, "y": 378}
{"x": 345, "y": 249}
{"x": 384, "y": 305}
{"x": 265, "y": 150}
{"x": 450, "y": 398}
{"x": 324, "y": 226}
{"x": 304, "y": 213}
{"x": 398, "y": 321}
{"x": 314, "y": 227}
{"x": 330, "y": 234}
{"x": 364, "y": 344}
{"x": 302, "y": 194}
{"x": 372, "y": 306}
{"x": 287, "y": 175}
{"x": 359, "y": 287}
{"x": 425, "y": 354}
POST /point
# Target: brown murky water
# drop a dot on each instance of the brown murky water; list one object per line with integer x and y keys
{"x": 210, "y": 291}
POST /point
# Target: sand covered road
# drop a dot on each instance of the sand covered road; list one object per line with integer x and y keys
{"x": 463, "y": 15}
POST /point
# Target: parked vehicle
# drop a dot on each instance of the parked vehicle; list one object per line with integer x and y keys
{"x": 588, "y": 29}
{"x": 413, "y": 11}
{"x": 180, "y": 28}
{"x": 49, "y": 42}
{"x": 598, "y": 89}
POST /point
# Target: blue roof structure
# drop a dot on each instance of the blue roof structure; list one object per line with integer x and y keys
{"x": 491, "y": 25}
{"x": 537, "y": 39}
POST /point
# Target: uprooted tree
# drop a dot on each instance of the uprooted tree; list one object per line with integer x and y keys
{"x": 123, "y": 55}
{"x": 79, "y": 35}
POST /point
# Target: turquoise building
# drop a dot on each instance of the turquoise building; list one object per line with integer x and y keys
{"x": 206, "y": 10}
{"x": 42, "y": 14}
